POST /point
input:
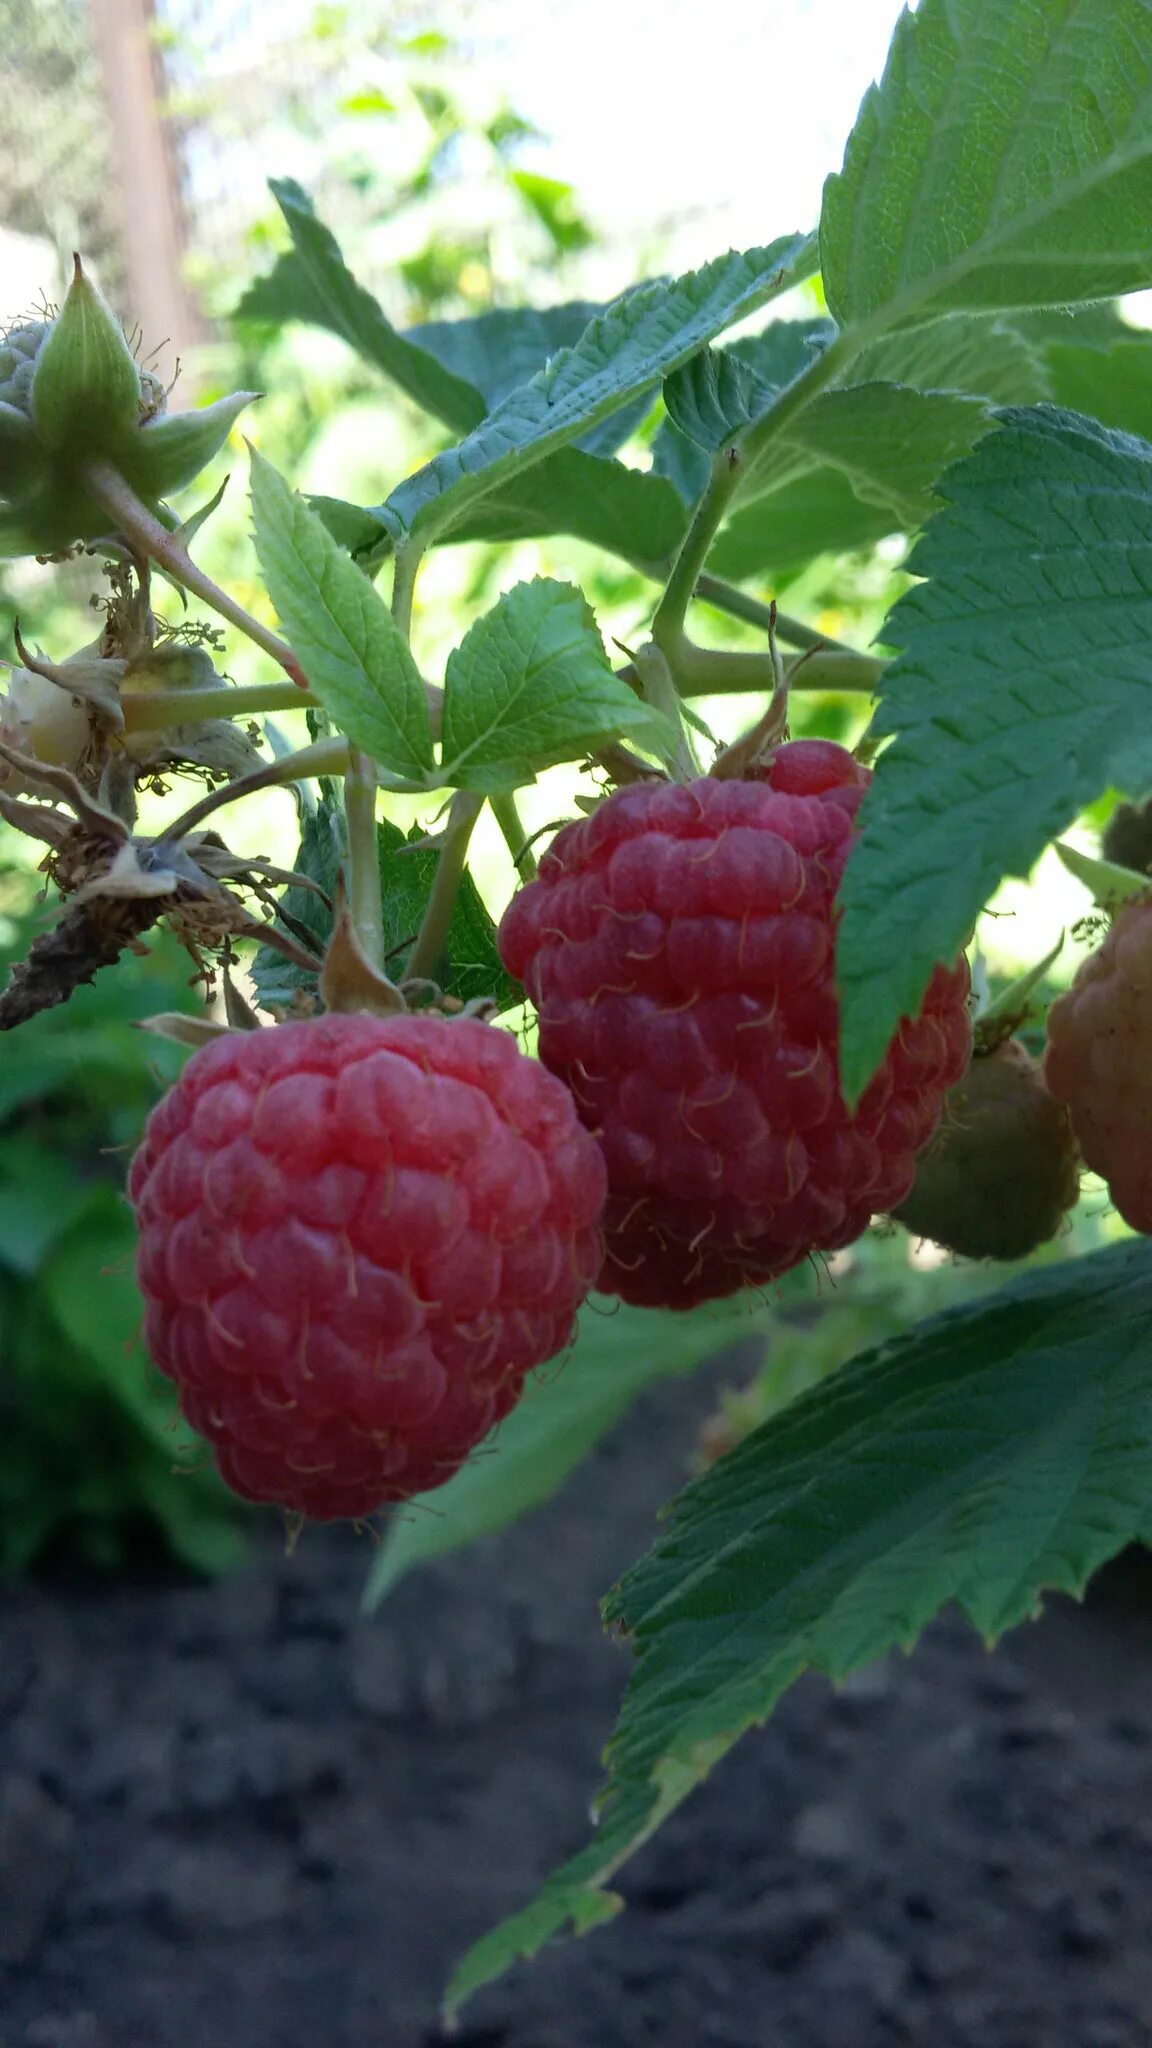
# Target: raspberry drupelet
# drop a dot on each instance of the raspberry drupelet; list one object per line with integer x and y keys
{"x": 678, "y": 946}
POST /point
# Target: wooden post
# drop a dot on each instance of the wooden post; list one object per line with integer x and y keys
{"x": 148, "y": 186}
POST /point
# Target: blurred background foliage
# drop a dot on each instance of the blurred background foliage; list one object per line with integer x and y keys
{"x": 422, "y": 173}
{"x": 91, "y": 1462}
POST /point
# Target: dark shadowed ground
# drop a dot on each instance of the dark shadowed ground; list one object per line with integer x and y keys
{"x": 242, "y": 1817}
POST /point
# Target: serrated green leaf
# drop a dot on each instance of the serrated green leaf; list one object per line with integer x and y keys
{"x": 566, "y": 1409}
{"x": 1005, "y": 159}
{"x": 978, "y": 354}
{"x": 470, "y": 968}
{"x": 500, "y": 350}
{"x": 1112, "y": 385}
{"x": 870, "y": 461}
{"x": 809, "y": 516}
{"x": 360, "y": 532}
{"x": 316, "y": 285}
{"x": 319, "y": 856}
{"x": 783, "y": 350}
{"x": 774, "y": 357}
{"x": 1093, "y": 326}
{"x": 1002, "y": 1448}
{"x": 986, "y": 354}
{"x": 629, "y": 512}
{"x": 529, "y": 685}
{"x": 680, "y": 462}
{"x": 891, "y": 442}
{"x": 1024, "y": 690}
{"x": 714, "y": 396}
{"x": 357, "y": 661}
{"x": 639, "y": 340}
{"x": 856, "y": 465}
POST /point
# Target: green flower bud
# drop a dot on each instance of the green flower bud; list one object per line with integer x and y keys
{"x": 72, "y": 394}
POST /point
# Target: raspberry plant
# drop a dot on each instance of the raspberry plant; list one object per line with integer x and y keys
{"x": 966, "y": 378}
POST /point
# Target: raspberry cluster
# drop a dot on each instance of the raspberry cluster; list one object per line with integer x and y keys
{"x": 678, "y": 946}
{"x": 356, "y": 1238}
{"x": 1099, "y": 1040}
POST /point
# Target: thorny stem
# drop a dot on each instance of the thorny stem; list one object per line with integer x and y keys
{"x": 432, "y": 936}
{"x": 140, "y": 526}
{"x": 324, "y": 757}
{"x": 728, "y": 597}
{"x": 365, "y": 900}
{"x": 151, "y": 710}
{"x": 507, "y": 816}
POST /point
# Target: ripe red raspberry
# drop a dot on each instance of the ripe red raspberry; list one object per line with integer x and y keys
{"x": 1099, "y": 1061}
{"x": 1001, "y": 1173}
{"x": 678, "y": 947}
{"x": 356, "y": 1238}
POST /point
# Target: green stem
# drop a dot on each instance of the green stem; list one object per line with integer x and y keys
{"x": 668, "y": 623}
{"x": 507, "y": 816}
{"x": 728, "y": 597}
{"x": 707, "y": 672}
{"x": 365, "y": 900}
{"x": 141, "y": 527}
{"x": 830, "y": 669}
{"x": 432, "y": 936}
{"x": 409, "y": 555}
{"x": 152, "y": 710}
{"x": 323, "y": 757}
{"x": 731, "y": 466}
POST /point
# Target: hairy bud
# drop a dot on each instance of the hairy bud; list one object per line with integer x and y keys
{"x": 71, "y": 395}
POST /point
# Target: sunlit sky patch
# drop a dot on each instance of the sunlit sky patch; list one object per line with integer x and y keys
{"x": 726, "y": 116}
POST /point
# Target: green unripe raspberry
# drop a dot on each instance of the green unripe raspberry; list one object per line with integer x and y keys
{"x": 1002, "y": 1172}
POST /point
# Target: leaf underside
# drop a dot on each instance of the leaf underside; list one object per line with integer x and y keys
{"x": 639, "y": 340}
